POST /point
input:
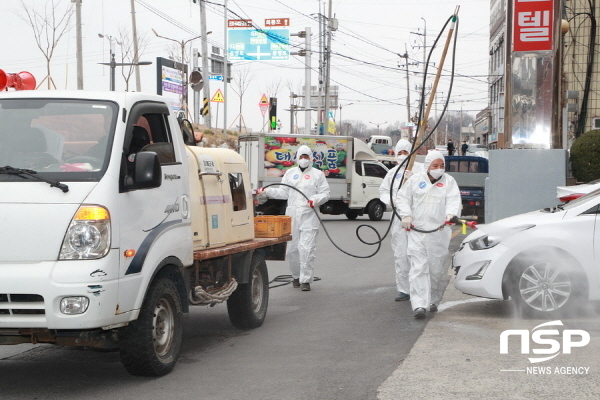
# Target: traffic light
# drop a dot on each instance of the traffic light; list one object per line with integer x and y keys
{"x": 273, "y": 112}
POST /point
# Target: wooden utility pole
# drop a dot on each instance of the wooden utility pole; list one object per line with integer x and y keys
{"x": 423, "y": 122}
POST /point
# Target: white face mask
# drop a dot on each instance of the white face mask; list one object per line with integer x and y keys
{"x": 303, "y": 163}
{"x": 401, "y": 158}
{"x": 436, "y": 173}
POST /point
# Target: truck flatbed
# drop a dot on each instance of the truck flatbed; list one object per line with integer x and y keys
{"x": 233, "y": 248}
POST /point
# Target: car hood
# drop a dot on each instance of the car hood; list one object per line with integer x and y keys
{"x": 507, "y": 226}
{"x": 34, "y": 218}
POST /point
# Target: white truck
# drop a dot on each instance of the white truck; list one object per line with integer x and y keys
{"x": 112, "y": 226}
{"x": 353, "y": 173}
{"x": 383, "y": 149}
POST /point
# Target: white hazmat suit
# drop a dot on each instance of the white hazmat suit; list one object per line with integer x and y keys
{"x": 428, "y": 204}
{"x": 391, "y": 183}
{"x": 305, "y": 224}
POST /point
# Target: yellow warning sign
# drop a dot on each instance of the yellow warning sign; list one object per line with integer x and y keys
{"x": 218, "y": 97}
{"x": 264, "y": 100}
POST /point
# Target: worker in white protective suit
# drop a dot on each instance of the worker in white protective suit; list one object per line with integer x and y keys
{"x": 391, "y": 183}
{"x": 425, "y": 202}
{"x": 305, "y": 223}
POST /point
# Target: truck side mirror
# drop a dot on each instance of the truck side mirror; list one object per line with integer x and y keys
{"x": 147, "y": 171}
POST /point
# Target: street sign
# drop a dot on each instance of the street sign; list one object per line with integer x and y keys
{"x": 239, "y": 23}
{"x": 218, "y": 97}
{"x": 263, "y": 104}
{"x": 263, "y": 45}
{"x": 216, "y": 78}
{"x": 277, "y": 22}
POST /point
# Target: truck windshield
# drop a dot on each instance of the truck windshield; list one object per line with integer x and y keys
{"x": 68, "y": 139}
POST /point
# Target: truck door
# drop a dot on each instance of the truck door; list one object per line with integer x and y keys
{"x": 144, "y": 215}
{"x": 368, "y": 176}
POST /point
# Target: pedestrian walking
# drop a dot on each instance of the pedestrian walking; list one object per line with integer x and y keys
{"x": 311, "y": 182}
{"x": 426, "y": 201}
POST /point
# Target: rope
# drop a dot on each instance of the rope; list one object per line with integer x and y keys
{"x": 199, "y": 296}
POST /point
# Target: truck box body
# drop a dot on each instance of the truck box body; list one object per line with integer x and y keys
{"x": 104, "y": 210}
{"x": 351, "y": 169}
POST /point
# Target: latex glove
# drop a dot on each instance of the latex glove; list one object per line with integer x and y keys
{"x": 408, "y": 173}
{"x": 407, "y": 222}
{"x": 311, "y": 203}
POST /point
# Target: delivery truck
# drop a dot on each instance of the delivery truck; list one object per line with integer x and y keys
{"x": 113, "y": 224}
{"x": 351, "y": 169}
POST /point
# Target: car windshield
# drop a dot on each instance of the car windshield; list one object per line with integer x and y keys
{"x": 64, "y": 139}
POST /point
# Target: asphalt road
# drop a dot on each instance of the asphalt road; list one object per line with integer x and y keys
{"x": 341, "y": 340}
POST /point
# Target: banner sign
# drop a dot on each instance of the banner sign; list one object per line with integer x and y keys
{"x": 329, "y": 155}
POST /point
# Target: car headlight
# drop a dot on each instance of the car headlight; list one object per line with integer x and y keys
{"x": 88, "y": 235}
{"x": 488, "y": 241}
{"x": 484, "y": 242}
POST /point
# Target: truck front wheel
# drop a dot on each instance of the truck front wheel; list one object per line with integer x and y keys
{"x": 375, "y": 210}
{"x": 247, "y": 306}
{"x": 150, "y": 345}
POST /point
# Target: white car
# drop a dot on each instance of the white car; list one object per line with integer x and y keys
{"x": 545, "y": 260}
{"x": 568, "y": 193}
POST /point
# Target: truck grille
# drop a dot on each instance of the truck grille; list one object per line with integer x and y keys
{"x": 21, "y": 304}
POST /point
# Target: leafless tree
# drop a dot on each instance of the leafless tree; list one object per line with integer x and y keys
{"x": 125, "y": 42}
{"x": 48, "y": 27}
{"x": 240, "y": 81}
{"x": 273, "y": 88}
{"x": 295, "y": 89}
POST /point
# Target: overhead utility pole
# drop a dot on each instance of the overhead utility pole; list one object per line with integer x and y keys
{"x": 205, "y": 71}
{"x": 331, "y": 26}
{"x": 225, "y": 73}
{"x": 136, "y": 54}
{"x": 306, "y": 52}
{"x": 79, "y": 45}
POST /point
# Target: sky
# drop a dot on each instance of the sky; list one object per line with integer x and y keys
{"x": 366, "y": 64}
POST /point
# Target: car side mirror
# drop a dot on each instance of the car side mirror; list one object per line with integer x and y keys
{"x": 147, "y": 173}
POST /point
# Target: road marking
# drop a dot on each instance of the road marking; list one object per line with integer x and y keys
{"x": 450, "y": 304}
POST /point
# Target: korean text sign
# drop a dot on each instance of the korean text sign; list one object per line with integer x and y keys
{"x": 533, "y": 25}
{"x": 328, "y": 155}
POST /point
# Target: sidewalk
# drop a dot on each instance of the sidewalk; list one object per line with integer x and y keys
{"x": 458, "y": 357}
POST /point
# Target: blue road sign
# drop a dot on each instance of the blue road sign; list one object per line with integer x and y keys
{"x": 216, "y": 77}
{"x": 264, "y": 45}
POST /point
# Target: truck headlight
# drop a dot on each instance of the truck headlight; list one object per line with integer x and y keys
{"x": 74, "y": 305}
{"x": 88, "y": 235}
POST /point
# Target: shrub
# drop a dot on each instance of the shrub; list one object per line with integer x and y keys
{"x": 585, "y": 156}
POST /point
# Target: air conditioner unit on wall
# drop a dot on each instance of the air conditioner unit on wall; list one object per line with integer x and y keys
{"x": 596, "y": 122}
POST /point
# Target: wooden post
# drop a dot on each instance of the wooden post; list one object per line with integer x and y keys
{"x": 434, "y": 88}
